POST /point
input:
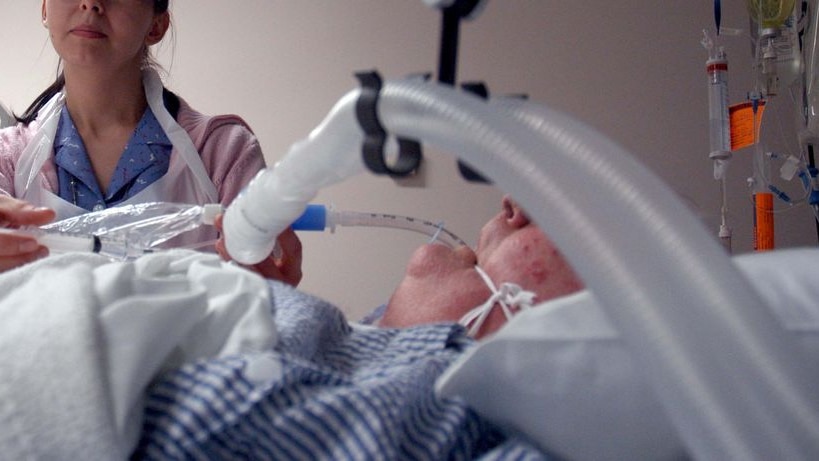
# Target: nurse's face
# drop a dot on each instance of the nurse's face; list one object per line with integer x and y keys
{"x": 442, "y": 284}
{"x": 103, "y": 34}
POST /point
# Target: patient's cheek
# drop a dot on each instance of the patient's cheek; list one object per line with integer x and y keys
{"x": 539, "y": 266}
{"x": 540, "y": 271}
{"x": 554, "y": 278}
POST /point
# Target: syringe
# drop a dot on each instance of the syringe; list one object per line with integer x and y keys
{"x": 63, "y": 242}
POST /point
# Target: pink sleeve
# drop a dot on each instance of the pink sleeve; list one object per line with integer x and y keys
{"x": 231, "y": 155}
{"x": 228, "y": 149}
{"x": 13, "y": 141}
{"x": 6, "y": 168}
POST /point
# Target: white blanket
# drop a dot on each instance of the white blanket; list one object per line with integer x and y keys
{"x": 80, "y": 339}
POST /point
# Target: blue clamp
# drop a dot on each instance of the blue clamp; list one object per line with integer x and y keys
{"x": 813, "y": 198}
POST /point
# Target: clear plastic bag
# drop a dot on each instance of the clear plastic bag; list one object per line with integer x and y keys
{"x": 139, "y": 228}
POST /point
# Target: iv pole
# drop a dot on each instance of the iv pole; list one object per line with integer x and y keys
{"x": 451, "y": 16}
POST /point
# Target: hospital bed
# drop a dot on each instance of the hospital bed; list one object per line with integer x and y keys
{"x": 726, "y": 376}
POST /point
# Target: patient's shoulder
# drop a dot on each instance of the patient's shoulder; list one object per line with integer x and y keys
{"x": 199, "y": 125}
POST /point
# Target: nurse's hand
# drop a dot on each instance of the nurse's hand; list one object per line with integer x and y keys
{"x": 16, "y": 250}
{"x": 285, "y": 265}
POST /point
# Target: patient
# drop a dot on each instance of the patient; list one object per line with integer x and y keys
{"x": 292, "y": 378}
{"x": 515, "y": 266}
{"x": 331, "y": 389}
{"x": 444, "y": 285}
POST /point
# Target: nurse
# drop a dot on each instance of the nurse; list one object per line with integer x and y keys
{"x": 108, "y": 133}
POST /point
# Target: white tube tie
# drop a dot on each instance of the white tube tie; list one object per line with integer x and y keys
{"x": 438, "y": 229}
{"x": 510, "y": 295}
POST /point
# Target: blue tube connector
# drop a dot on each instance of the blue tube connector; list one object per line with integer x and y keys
{"x": 813, "y": 198}
{"x": 314, "y": 218}
{"x": 779, "y": 193}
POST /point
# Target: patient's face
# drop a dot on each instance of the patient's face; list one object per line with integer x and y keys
{"x": 442, "y": 285}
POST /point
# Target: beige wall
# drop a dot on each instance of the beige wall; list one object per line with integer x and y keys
{"x": 633, "y": 70}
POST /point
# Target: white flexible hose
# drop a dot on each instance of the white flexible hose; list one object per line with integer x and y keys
{"x": 694, "y": 351}
{"x": 278, "y": 196}
{"x": 732, "y": 381}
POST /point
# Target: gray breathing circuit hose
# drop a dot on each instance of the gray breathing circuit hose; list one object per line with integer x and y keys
{"x": 732, "y": 382}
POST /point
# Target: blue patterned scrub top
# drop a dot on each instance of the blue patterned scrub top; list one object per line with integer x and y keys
{"x": 145, "y": 159}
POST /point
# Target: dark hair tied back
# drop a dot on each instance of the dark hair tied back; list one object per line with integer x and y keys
{"x": 160, "y": 6}
{"x": 31, "y": 113}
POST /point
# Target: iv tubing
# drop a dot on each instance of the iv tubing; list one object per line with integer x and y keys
{"x": 733, "y": 383}
{"x": 725, "y": 232}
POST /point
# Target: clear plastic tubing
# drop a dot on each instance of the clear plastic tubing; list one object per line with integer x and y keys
{"x": 320, "y": 217}
{"x": 734, "y": 384}
{"x": 142, "y": 225}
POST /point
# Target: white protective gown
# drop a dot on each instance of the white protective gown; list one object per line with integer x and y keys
{"x": 186, "y": 181}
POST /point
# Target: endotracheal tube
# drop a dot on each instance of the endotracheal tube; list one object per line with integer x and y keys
{"x": 320, "y": 217}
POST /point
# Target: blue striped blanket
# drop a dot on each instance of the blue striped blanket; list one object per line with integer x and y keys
{"x": 328, "y": 390}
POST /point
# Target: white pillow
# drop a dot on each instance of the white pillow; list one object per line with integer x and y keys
{"x": 560, "y": 375}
